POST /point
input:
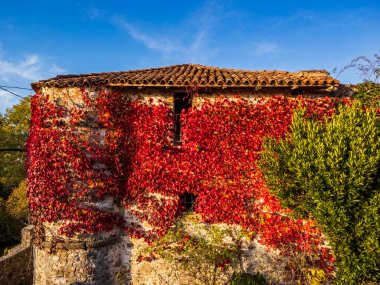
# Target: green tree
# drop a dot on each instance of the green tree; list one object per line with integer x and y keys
{"x": 14, "y": 126}
{"x": 331, "y": 171}
{"x": 368, "y": 93}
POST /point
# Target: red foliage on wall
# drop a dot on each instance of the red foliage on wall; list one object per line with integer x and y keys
{"x": 72, "y": 166}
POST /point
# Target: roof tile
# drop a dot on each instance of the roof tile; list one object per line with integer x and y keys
{"x": 194, "y": 74}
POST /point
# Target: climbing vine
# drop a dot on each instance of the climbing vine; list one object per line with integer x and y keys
{"x": 110, "y": 145}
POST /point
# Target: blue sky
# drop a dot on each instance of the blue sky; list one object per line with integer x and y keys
{"x": 40, "y": 39}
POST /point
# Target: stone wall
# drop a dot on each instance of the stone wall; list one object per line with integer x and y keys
{"x": 16, "y": 268}
{"x": 113, "y": 261}
{"x": 256, "y": 258}
{"x": 72, "y": 96}
{"x": 80, "y": 263}
{"x": 159, "y": 271}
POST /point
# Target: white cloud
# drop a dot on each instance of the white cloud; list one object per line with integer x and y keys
{"x": 264, "y": 48}
{"x": 187, "y": 44}
{"x": 21, "y": 72}
{"x": 191, "y": 48}
{"x": 7, "y": 100}
{"x": 161, "y": 44}
{"x": 30, "y": 67}
{"x": 27, "y": 68}
{"x": 190, "y": 41}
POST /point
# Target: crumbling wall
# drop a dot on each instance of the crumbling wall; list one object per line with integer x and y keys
{"x": 16, "y": 268}
{"x": 80, "y": 262}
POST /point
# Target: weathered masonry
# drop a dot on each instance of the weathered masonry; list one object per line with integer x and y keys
{"x": 90, "y": 244}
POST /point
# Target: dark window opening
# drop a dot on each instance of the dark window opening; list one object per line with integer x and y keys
{"x": 188, "y": 201}
{"x": 182, "y": 102}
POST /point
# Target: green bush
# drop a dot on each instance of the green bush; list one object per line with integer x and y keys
{"x": 330, "y": 171}
{"x": 369, "y": 94}
{"x": 13, "y": 216}
{"x": 206, "y": 254}
{"x": 17, "y": 204}
{"x": 248, "y": 279}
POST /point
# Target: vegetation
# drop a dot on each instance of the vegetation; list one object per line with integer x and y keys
{"x": 248, "y": 279}
{"x": 14, "y": 125}
{"x": 212, "y": 254}
{"x": 13, "y": 216}
{"x": 17, "y": 205}
{"x": 4, "y": 218}
{"x": 205, "y": 253}
{"x": 330, "y": 170}
{"x": 369, "y": 94}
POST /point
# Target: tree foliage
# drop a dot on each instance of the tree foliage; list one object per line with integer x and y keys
{"x": 13, "y": 216}
{"x": 369, "y": 94}
{"x": 14, "y": 126}
{"x": 330, "y": 170}
{"x": 17, "y": 204}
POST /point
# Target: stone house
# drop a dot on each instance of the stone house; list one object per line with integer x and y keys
{"x": 100, "y": 259}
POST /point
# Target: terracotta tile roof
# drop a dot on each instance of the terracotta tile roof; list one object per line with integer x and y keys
{"x": 194, "y": 74}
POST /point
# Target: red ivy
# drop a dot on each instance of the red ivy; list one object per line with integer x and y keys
{"x": 72, "y": 166}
